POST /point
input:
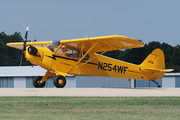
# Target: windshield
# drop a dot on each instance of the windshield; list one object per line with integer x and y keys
{"x": 67, "y": 51}
{"x": 52, "y": 46}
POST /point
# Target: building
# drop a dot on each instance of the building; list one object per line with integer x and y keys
{"x": 22, "y": 77}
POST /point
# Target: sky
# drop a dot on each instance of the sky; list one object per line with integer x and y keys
{"x": 146, "y": 20}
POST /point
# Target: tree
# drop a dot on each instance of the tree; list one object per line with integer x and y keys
{"x": 153, "y": 45}
{"x": 135, "y": 55}
{"x": 168, "y": 51}
{"x": 11, "y": 55}
{"x": 175, "y": 59}
{"x": 3, "y": 54}
{"x": 113, "y": 54}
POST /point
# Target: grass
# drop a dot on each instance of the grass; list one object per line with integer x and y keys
{"x": 88, "y": 108}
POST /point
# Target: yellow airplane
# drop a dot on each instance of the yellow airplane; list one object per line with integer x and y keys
{"x": 80, "y": 57}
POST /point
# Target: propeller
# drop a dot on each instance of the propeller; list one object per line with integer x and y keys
{"x": 24, "y": 45}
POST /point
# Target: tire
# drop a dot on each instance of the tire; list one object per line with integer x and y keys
{"x": 59, "y": 81}
{"x": 36, "y": 82}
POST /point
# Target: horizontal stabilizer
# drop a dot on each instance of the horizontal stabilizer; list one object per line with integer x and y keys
{"x": 160, "y": 70}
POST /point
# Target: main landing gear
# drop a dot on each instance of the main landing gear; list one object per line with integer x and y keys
{"x": 59, "y": 81}
{"x": 36, "y": 82}
{"x": 40, "y": 81}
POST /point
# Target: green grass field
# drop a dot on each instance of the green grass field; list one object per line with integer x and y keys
{"x": 88, "y": 108}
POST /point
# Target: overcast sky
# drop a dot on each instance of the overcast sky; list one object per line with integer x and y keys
{"x": 147, "y": 20}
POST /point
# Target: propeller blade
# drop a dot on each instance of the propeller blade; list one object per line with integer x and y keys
{"x": 21, "y": 59}
{"x": 24, "y": 45}
{"x": 25, "y": 39}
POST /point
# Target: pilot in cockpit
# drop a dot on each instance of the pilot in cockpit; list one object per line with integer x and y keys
{"x": 77, "y": 55}
{"x": 63, "y": 48}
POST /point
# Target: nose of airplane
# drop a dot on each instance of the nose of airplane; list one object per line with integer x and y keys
{"x": 32, "y": 50}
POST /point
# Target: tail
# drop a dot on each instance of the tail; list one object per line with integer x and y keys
{"x": 155, "y": 63}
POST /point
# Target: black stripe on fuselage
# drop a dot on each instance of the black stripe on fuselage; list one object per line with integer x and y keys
{"x": 54, "y": 57}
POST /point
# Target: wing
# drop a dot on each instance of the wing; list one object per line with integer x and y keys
{"x": 105, "y": 43}
{"x": 19, "y": 45}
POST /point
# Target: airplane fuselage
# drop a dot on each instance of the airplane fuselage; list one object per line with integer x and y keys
{"x": 98, "y": 66}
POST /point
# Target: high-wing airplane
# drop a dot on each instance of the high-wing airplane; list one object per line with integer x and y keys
{"x": 84, "y": 57}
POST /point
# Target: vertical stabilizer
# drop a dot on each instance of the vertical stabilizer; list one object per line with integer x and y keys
{"x": 155, "y": 60}
{"x": 154, "y": 63}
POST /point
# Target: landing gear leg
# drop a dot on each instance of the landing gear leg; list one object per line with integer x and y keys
{"x": 159, "y": 86}
{"x": 40, "y": 81}
{"x": 47, "y": 76}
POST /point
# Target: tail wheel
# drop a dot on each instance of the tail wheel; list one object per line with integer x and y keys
{"x": 59, "y": 81}
{"x": 36, "y": 82}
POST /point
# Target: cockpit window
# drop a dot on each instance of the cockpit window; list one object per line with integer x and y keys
{"x": 71, "y": 52}
{"x": 52, "y": 46}
{"x": 66, "y": 50}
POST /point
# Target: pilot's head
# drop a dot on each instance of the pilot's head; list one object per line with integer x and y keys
{"x": 63, "y": 47}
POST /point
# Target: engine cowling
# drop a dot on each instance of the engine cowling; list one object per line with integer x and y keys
{"x": 32, "y": 50}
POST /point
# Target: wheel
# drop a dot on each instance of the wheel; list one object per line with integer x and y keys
{"x": 59, "y": 81}
{"x": 36, "y": 82}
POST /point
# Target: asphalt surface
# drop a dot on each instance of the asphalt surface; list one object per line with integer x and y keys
{"x": 104, "y": 92}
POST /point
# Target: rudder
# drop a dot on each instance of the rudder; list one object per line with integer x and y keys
{"x": 155, "y": 60}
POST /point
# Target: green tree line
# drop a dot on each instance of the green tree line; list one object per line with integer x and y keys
{"x": 11, "y": 56}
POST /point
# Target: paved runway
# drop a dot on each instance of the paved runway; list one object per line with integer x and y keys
{"x": 108, "y": 92}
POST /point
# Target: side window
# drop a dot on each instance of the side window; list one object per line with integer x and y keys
{"x": 74, "y": 53}
{"x": 68, "y": 51}
{"x": 58, "y": 51}
{"x": 86, "y": 57}
{"x": 71, "y": 52}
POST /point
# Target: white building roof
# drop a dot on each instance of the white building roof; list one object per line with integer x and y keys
{"x": 171, "y": 74}
{"x": 20, "y": 71}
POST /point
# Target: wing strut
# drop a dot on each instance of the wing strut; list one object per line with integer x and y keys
{"x": 83, "y": 56}
{"x": 88, "y": 61}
